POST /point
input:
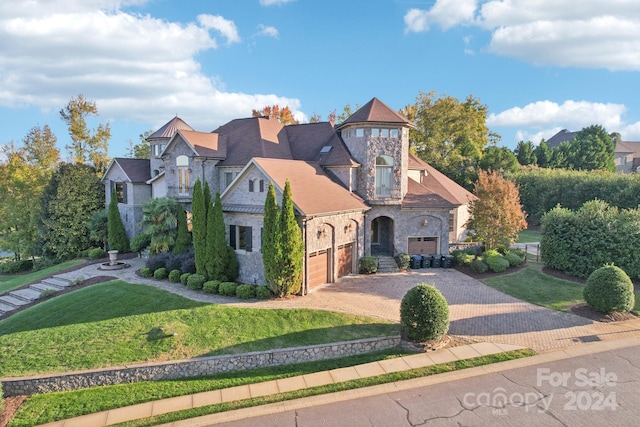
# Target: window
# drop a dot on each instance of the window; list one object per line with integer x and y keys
{"x": 250, "y": 186}
{"x": 228, "y": 178}
{"x": 182, "y": 162}
{"x": 375, "y": 132}
{"x": 384, "y": 133}
{"x": 240, "y": 238}
{"x": 452, "y": 219}
{"x": 158, "y": 149}
{"x": 393, "y": 133}
{"x": 374, "y": 231}
{"x": 623, "y": 161}
{"x": 384, "y": 176}
{"x": 359, "y": 133}
{"x": 262, "y": 185}
{"x": 121, "y": 191}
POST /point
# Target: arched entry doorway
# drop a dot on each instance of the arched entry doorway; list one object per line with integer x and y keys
{"x": 382, "y": 236}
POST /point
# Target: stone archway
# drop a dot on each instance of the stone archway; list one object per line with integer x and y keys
{"x": 382, "y": 235}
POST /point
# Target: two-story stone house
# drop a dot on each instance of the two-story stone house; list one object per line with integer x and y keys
{"x": 356, "y": 188}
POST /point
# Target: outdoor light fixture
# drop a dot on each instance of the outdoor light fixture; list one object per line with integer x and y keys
{"x": 425, "y": 222}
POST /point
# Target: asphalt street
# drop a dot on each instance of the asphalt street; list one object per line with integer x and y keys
{"x": 586, "y": 386}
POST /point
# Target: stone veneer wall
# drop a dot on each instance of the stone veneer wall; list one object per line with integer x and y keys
{"x": 191, "y": 368}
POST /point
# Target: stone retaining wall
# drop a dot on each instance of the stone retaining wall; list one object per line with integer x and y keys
{"x": 191, "y": 368}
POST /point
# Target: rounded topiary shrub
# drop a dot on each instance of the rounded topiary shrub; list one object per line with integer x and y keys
{"x": 263, "y": 292}
{"x": 609, "y": 289}
{"x": 246, "y": 291}
{"x": 496, "y": 263}
{"x": 368, "y": 264}
{"x": 195, "y": 281}
{"x": 146, "y": 272}
{"x": 424, "y": 314}
{"x": 228, "y": 289}
{"x": 174, "y": 276}
{"x": 211, "y": 287}
{"x": 479, "y": 266}
{"x": 513, "y": 258}
{"x": 160, "y": 274}
{"x": 97, "y": 253}
{"x": 184, "y": 277}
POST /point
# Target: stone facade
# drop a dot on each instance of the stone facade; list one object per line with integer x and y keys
{"x": 191, "y": 368}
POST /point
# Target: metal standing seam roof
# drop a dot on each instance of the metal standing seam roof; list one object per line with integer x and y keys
{"x": 170, "y": 128}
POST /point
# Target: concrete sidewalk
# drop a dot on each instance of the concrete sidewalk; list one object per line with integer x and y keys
{"x": 159, "y": 407}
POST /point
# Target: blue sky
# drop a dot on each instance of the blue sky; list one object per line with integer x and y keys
{"x": 539, "y": 66}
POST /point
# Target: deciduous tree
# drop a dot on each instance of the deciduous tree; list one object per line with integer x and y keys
{"x": 282, "y": 115}
{"x": 496, "y": 216}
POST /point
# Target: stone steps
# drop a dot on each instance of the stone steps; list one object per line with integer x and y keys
{"x": 387, "y": 264}
{"x": 19, "y": 297}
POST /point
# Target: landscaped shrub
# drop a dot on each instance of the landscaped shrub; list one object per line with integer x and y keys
{"x": 174, "y": 276}
{"x": 96, "y": 253}
{"x": 368, "y": 264}
{"x": 140, "y": 242}
{"x": 10, "y": 267}
{"x": 479, "y": 266}
{"x": 263, "y": 292}
{"x": 228, "y": 289}
{"x": 463, "y": 257}
{"x": 188, "y": 265}
{"x": 424, "y": 314}
{"x": 160, "y": 274}
{"x": 246, "y": 291}
{"x": 146, "y": 272}
{"x": 496, "y": 263}
{"x": 184, "y": 277}
{"x": 609, "y": 289}
{"x": 211, "y": 287}
{"x": 513, "y": 258}
{"x": 520, "y": 252}
{"x": 403, "y": 261}
{"x": 157, "y": 261}
{"x": 195, "y": 281}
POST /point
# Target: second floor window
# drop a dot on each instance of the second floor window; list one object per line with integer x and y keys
{"x": 182, "y": 163}
{"x": 384, "y": 176}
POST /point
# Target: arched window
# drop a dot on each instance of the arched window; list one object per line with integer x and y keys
{"x": 182, "y": 163}
{"x": 384, "y": 176}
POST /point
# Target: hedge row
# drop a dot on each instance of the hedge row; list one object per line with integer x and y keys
{"x": 543, "y": 189}
{"x": 579, "y": 242}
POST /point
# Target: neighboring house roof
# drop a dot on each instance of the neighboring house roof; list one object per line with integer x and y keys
{"x": 563, "y": 136}
{"x": 313, "y": 192}
{"x": 375, "y": 111}
{"x": 136, "y": 170}
{"x": 170, "y": 128}
{"x": 435, "y": 190}
{"x": 627, "y": 147}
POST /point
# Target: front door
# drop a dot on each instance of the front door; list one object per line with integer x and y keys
{"x": 382, "y": 236}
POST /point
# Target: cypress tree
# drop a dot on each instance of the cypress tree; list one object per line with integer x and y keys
{"x": 183, "y": 240}
{"x": 271, "y": 241}
{"x": 116, "y": 232}
{"x": 217, "y": 255}
{"x": 292, "y": 246}
{"x": 199, "y": 227}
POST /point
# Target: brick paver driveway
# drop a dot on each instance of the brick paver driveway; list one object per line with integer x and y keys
{"x": 476, "y": 310}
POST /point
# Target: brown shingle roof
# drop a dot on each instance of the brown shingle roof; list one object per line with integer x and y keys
{"x": 170, "y": 128}
{"x": 313, "y": 192}
{"x": 307, "y": 142}
{"x": 253, "y": 137}
{"x": 436, "y": 189}
{"x": 375, "y": 111}
{"x": 206, "y": 144}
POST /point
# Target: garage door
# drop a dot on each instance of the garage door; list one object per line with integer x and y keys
{"x": 423, "y": 245}
{"x": 318, "y": 268}
{"x": 345, "y": 259}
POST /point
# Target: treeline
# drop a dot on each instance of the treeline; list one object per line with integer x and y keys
{"x": 543, "y": 189}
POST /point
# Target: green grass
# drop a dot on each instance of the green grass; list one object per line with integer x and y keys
{"x": 532, "y": 285}
{"x": 116, "y": 323}
{"x": 332, "y": 388}
{"x": 528, "y": 236}
{"x": 45, "y": 408}
{"x": 10, "y": 282}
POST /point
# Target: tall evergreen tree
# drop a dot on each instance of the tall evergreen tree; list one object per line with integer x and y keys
{"x": 199, "y": 227}
{"x": 292, "y": 246}
{"x": 183, "y": 241}
{"x": 217, "y": 254}
{"x": 271, "y": 241}
{"x": 116, "y": 232}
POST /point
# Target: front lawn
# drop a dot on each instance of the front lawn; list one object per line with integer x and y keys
{"x": 116, "y": 323}
{"x": 528, "y": 236}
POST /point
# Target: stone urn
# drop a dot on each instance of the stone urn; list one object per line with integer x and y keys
{"x": 113, "y": 257}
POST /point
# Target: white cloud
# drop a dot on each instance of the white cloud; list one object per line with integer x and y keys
{"x": 274, "y": 2}
{"x": 223, "y": 26}
{"x": 135, "y": 67}
{"x": 593, "y": 34}
{"x": 268, "y": 31}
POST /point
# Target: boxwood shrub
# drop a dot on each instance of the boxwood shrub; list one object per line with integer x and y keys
{"x": 174, "y": 276}
{"x": 228, "y": 289}
{"x": 368, "y": 264}
{"x": 479, "y": 266}
{"x": 609, "y": 289}
{"x": 246, "y": 291}
{"x": 496, "y": 263}
{"x": 146, "y": 272}
{"x": 424, "y": 314}
{"x": 160, "y": 274}
{"x": 10, "y": 267}
{"x": 195, "y": 281}
{"x": 263, "y": 292}
{"x": 96, "y": 253}
{"x": 513, "y": 258}
{"x": 403, "y": 261}
{"x": 184, "y": 277}
{"x": 211, "y": 287}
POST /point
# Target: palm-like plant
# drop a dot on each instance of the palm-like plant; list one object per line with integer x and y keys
{"x": 160, "y": 223}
